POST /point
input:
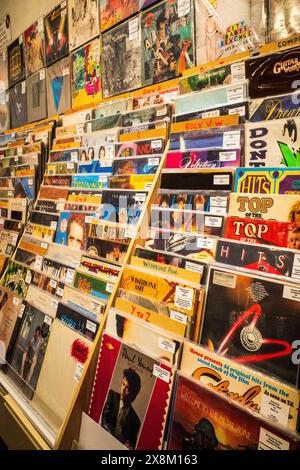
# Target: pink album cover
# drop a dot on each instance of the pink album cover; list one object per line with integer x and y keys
{"x": 214, "y": 158}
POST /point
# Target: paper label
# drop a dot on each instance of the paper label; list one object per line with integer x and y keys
{"x": 184, "y": 297}
{"x": 40, "y": 25}
{"x": 22, "y": 310}
{"x": 53, "y": 225}
{"x": 196, "y": 268}
{"x": 218, "y": 210}
{"x": 153, "y": 161}
{"x": 20, "y": 151}
{"x": 42, "y": 74}
{"x": 70, "y": 165}
{"x": 88, "y": 219}
{"x": 133, "y": 29}
{"x": 156, "y": 144}
{"x": 232, "y": 140}
{"x": 59, "y": 291}
{"x": 7, "y": 97}
{"x": 140, "y": 197}
{"x": 102, "y": 179}
{"x": 241, "y": 110}
{"x": 44, "y": 245}
{"x": 218, "y": 201}
{"x": 275, "y": 410}
{"x": 78, "y": 372}
{"x": 178, "y": 316}
{"x": 235, "y": 93}
{"x": 66, "y": 71}
{"x": 161, "y": 373}
{"x": 221, "y": 179}
{"x": 63, "y": 4}
{"x": 224, "y": 279}
{"x": 212, "y": 221}
{"x": 74, "y": 157}
{"x": 70, "y": 275}
{"x": 209, "y": 114}
{"x": 91, "y": 326}
{"x": 166, "y": 345}
{"x": 269, "y": 441}
{"x": 38, "y": 263}
{"x": 23, "y": 87}
{"x": 184, "y": 7}
{"x": 205, "y": 243}
{"x": 88, "y": 127}
{"x": 48, "y": 320}
{"x": 148, "y": 186}
{"x": 53, "y": 283}
{"x": 16, "y": 301}
{"x": 161, "y": 111}
{"x": 109, "y": 288}
{"x": 30, "y": 182}
{"x": 296, "y": 267}
{"x": 238, "y": 73}
{"x": 291, "y": 293}
{"x": 227, "y": 156}
{"x": 28, "y": 277}
{"x": 106, "y": 163}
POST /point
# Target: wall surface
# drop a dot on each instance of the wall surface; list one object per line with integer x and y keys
{"x": 24, "y": 12}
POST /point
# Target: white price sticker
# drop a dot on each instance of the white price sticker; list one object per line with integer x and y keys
{"x": 22, "y": 310}
{"x": 178, "y": 316}
{"x": 166, "y": 345}
{"x": 205, "y": 243}
{"x": 218, "y": 201}
{"x": 161, "y": 111}
{"x": 53, "y": 283}
{"x": 38, "y": 263}
{"x": 161, "y": 373}
{"x": 20, "y": 151}
{"x": 221, "y": 179}
{"x": 63, "y": 4}
{"x": 102, "y": 179}
{"x": 133, "y": 29}
{"x": 291, "y": 293}
{"x": 7, "y": 97}
{"x": 235, "y": 94}
{"x": 194, "y": 267}
{"x": 91, "y": 326}
{"x": 106, "y": 163}
{"x": 23, "y": 88}
{"x": 59, "y": 291}
{"x": 274, "y": 410}
{"x": 227, "y": 156}
{"x": 210, "y": 114}
{"x": 88, "y": 219}
{"x": 70, "y": 165}
{"x": 40, "y": 25}
{"x": 44, "y": 245}
{"x": 30, "y": 182}
{"x": 238, "y": 72}
{"x": 16, "y": 301}
{"x": 231, "y": 140}
{"x": 270, "y": 441}
{"x": 184, "y": 297}
{"x": 74, "y": 156}
{"x": 148, "y": 186}
{"x": 184, "y": 7}
{"x": 218, "y": 210}
{"x": 42, "y": 74}
{"x": 89, "y": 127}
{"x": 153, "y": 161}
{"x": 70, "y": 275}
{"x": 140, "y": 197}
{"x": 156, "y": 144}
{"x": 241, "y": 110}
{"x": 109, "y": 288}
{"x": 78, "y": 372}
{"x": 53, "y": 225}
{"x": 28, "y": 277}
{"x": 48, "y": 320}
{"x": 213, "y": 221}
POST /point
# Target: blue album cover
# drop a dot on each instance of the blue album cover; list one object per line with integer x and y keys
{"x": 89, "y": 181}
{"x": 275, "y": 107}
{"x": 241, "y": 108}
{"x": 96, "y": 166}
{"x": 136, "y": 166}
{"x": 25, "y": 187}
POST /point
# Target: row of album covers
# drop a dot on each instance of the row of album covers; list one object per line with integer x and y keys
{"x": 156, "y": 45}
{"x": 201, "y": 338}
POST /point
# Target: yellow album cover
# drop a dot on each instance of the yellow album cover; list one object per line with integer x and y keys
{"x": 40, "y": 231}
{"x": 85, "y": 198}
{"x": 144, "y": 135}
{"x": 138, "y": 182}
{"x": 33, "y": 247}
{"x": 206, "y": 123}
{"x": 66, "y": 145}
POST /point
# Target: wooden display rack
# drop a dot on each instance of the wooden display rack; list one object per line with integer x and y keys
{"x": 70, "y": 429}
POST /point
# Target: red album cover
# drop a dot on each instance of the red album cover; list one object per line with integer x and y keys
{"x": 205, "y": 420}
{"x": 131, "y": 395}
{"x": 267, "y": 232}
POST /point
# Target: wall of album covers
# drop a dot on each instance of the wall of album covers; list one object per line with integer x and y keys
{"x": 168, "y": 218}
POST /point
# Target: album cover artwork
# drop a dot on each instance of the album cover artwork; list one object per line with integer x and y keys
{"x": 241, "y": 108}
{"x": 213, "y": 202}
{"x": 57, "y": 180}
{"x": 36, "y": 96}
{"x": 205, "y": 420}
{"x": 109, "y": 231}
{"x": 241, "y": 384}
{"x": 12, "y": 309}
{"x": 63, "y": 168}
{"x": 93, "y": 285}
{"x": 207, "y": 99}
{"x": 44, "y": 218}
{"x": 167, "y": 41}
{"x": 263, "y": 258}
{"x": 284, "y": 19}
{"x": 4, "y": 111}
{"x": 18, "y": 104}
{"x": 39, "y": 231}
{"x": 85, "y": 74}
{"x": 134, "y": 130}
{"x": 19, "y": 187}
{"x": 259, "y": 322}
{"x": 72, "y": 230}
{"x": 108, "y": 136}
{"x": 85, "y": 181}
{"x": 140, "y": 147}
{"x": 52, "y": 193}
{"x": 112, "y": 13}
{"x": 137, "y": 182}
{"x": 84, "y": 196}
{"x": 122, "y": 206}
{"x": 281, "y": 207}
{"x": 59, "y": 87}
{"x": 83, "y": 21}
{"x": 99, "y": 268}
{"x": 16, "y": 65}
{"x": 154, "y": 99}
{"x": 8, "y": 242}
{"x": 203, "y": 179}
{"x": 156, "y": 343}
{"x": 3, "y": 71}
{"x": 89, "y": 306}
{"x": 274, "y": 143}
{"x": 147, "y": 115}
{"x": 275, "y": 107}
{"x": 228, "y": 137}
{"x": 34, "y": 43}
{"x": 33, "y": 245}
{"x": 204, "y": 159}
{"x": 64, "y": 155}
{"x": 270, "y": 232}
{"x": 56, "y": 33}
{"x": 121, "y": 58}
{"x": 273, "y": 74}
{"x": 102, "y": 123}
{"x": 135, "y": 166}
{"x": 103, "y": 153}
{"x": 141, "y": 425}
{"x": 107, "y": 249}
{"x": 267, "y": 181}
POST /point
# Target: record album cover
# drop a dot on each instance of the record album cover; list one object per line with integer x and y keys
{"x": 274, "y": 107}
{"x": 140, "y": 147}
{"x": 83, "y": 21}
{"x": 56, "y": 33}
{"x": 135, "y": 166}
{"x": 16, "y": 64}
{"x": 72, "y": 230}
{"x": 259, "y": 321}
{"x": 113, "y": 12}
{"x": 227, "y": 137}
{"x": 167, "y": 41}
{"x": 284, "y": 19}
{"x": 122, "y": 206}
{"x": 85, "y": 74}
{"x": 3, "y": 70}
{"x": 34, "y": 47}
{"x": 12, "y": 309}
{"x": 203, "y": 420}
{"x": 59, "y": 87}
{"x": 204, "y": 159}
{"x": 267, "y": 180}
{"x": 239, "y": 107}
{"x": 4, "y": 111}
{"x": 121, "y": 58}
{"x": 140, "y": 423}
{"x": 36, "y": 96}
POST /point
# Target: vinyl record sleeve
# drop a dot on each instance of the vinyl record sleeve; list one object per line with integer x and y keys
{"x": 204, "y": 420}
{"x": 16, "y": 64}
{"x": 267, "y": 181}
{"x": 144, "y": 419}
{"x": 203, "y": 179}
{"x": 214, "y": 202}
{"x": 204, "y": 159}
{"x": 4, "y": 111}
{"x": 135, "y": 166}
{"x": 140, "y": 147}
{"x": 167, "y": 41}
{"x": 110, "y": 250}
{"x": 138, "y": 182}
{"x": 34, "y": 47}
{"x": 18, "y": 104}
{"x": 230, "y": 137}
{"x": 239, "y": 107}
{"x": 83, "y": 21}
{"x": 3, "y": 71}
{"x": 273, "y": 143}
{"x": 259, "y": 322}
{"x": 274, "y": 107}
{"x": 121, "y": 58}
{"x": 72, "y": 230}
{"x": 12, "y": 310}
{"x": 284, "y": 19}
{"x": 85, "y": 74}
{"x": 113, "y": 12}
{"x": 36, "y": 96}
{"x": 281, "y": 207}
{"x": 56, "y": 33}
{"x": 59, "y": 87}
